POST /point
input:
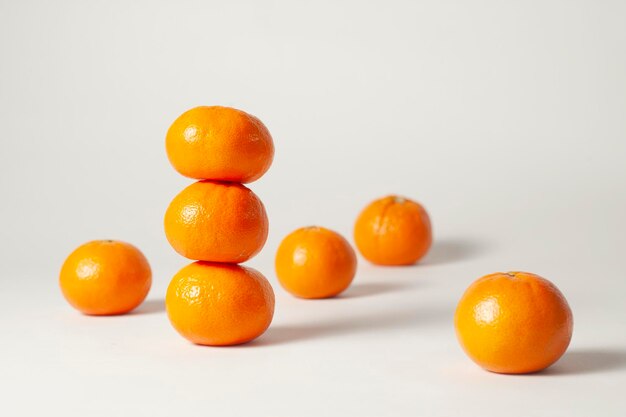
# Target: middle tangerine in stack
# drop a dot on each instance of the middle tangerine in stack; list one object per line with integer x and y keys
{"x": 219, "y": 223}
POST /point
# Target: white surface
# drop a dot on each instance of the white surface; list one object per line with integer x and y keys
{"x": 505, "y": 120}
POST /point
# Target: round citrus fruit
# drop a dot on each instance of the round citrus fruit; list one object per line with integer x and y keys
{"x": 105, "y": 277}
{"x": 219, "y": 143}
{"x": 219, "y": 304}
{"x": 513, "y": 323}
{"x": 217, "y": 222}
{"x": 393, "y": 231}
{"x": 314, "y": 262}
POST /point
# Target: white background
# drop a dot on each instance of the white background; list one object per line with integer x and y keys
{"x": 507, "y": 120}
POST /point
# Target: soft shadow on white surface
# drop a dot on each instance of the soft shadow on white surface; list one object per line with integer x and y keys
{"x": 587, "y": 361}
{"x": 447, "y": 251}
{"x": 402, "y": 318}
{"x": 369, "y": 289}
{"x": 150, "y": 307}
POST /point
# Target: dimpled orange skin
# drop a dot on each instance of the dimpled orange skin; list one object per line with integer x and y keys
{"x": 217, "y": 222}
{"x": 393, "y": 231}
{"x": 314, "y": 262}
{"x": 513, "y": 323}
{"x": 105, "y": 277}
{"x": 219, "y": 304}
{"x": 219, "y": 143}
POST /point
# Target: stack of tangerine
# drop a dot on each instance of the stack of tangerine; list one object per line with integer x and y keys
{"x": 219, "y": 223}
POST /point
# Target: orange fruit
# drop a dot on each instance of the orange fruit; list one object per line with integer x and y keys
{"x": 513, "y": 323}
{"x": 393, "y": 231}
{"x": 215, "y": 221}
{"x": 219, "y": 304}
{"x": 219, "y": 143}
{"x": 105, "y": 277}
{"x": 314, "y": 262}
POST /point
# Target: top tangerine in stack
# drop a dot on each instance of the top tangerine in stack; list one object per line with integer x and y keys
{"x": 217, "y": 219}
{"x": 220, "y": 144}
